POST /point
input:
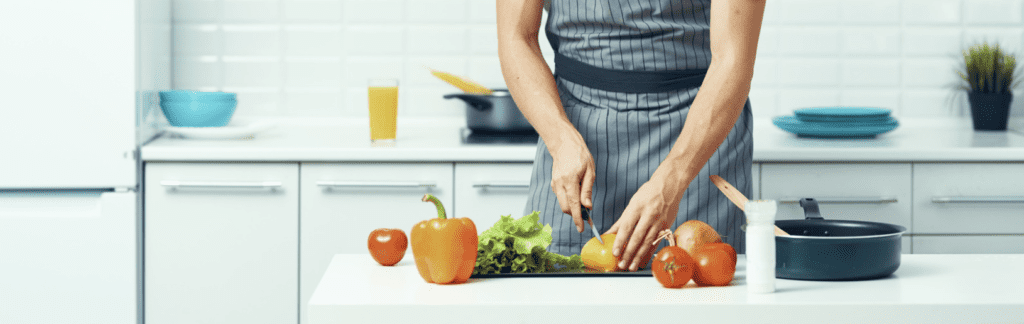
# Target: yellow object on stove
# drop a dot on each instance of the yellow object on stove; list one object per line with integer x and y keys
{"x": 461, "y": 83}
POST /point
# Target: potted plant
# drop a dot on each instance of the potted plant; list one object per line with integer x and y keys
{"x": 989, "y": 75}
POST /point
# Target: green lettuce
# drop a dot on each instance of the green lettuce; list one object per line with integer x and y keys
{"x": 520, "y": 246}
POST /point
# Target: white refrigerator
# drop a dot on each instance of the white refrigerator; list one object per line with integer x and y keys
{"x": 77, "y": 89}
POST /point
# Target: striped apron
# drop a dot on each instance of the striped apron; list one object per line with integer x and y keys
{"x": 625, "y": 73}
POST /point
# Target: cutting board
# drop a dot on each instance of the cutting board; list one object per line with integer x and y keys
{"x": 582, "y": 273}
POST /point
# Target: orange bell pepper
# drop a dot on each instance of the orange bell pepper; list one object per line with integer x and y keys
{"x": 444, "y": 248}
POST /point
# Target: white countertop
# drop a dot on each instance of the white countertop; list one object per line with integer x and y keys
{"x": 925, "y": 289}
{"x": 439, "y": 140}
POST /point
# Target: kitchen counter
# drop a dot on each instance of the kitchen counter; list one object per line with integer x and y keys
{"x": 926, "y": 289}
{"x": 439, "y": 140}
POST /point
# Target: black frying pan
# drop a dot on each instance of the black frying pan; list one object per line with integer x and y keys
{"x": 824, "y": 249}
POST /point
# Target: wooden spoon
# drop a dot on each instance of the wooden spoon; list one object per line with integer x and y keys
{"x": 737, "y": 197}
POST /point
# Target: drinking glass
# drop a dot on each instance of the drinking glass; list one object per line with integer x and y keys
{"x": 383, "y": 97}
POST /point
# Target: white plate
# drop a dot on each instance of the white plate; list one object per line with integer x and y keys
{"x": 237, "y": 128}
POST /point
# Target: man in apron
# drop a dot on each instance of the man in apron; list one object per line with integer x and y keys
{"x": 636, "y": 115}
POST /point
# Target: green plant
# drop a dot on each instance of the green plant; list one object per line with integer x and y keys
{"x": 988, "y": 69}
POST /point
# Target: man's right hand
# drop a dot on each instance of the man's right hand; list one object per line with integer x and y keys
{"x": 572, "y": 175}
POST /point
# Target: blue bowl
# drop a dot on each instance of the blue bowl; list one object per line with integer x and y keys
{"x": 192, "y": 95}
{"x": 199, "y": 113}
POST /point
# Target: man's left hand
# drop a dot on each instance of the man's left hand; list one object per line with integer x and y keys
{"x": 652, "y": 209}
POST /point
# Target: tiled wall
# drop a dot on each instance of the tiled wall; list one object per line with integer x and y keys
{"x": 313, "y": 57}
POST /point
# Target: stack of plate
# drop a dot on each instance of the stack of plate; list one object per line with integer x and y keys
{"x": 838, "y": 122}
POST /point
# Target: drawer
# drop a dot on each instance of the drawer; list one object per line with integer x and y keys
{"x": 968, "y": 244}
{"x": 343, "y": 202}
{"x": 876, "y": 192}
{"x": 486, "y": 191}
{"x": 221, "y": 242}
{"x": 969, "y": 198}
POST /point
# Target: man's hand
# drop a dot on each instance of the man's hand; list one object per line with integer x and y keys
{"x": 572, "y": 176}
{"x": 652, "y": 209}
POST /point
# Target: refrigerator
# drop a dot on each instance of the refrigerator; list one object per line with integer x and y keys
{"x": 78, "y": 82}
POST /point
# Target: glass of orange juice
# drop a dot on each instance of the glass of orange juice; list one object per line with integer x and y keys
{"x": 383, "y": 95}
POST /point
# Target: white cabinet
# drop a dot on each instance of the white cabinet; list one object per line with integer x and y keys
{"x": 343, "y": 202}
{"x": 221, "y": 243}
{"x": 969, "y": 198}
{"x": 876, "y": 192}
{"x": 968, "y": 244}
{"x": 486, "y": 191}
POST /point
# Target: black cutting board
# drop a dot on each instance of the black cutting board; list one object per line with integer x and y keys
{"x": 582, "y": 273}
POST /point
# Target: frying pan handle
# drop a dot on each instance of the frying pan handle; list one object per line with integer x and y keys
{"x": 810, "y": 208}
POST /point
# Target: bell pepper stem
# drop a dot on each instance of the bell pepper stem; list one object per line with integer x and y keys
{"x": 437, "y": 203}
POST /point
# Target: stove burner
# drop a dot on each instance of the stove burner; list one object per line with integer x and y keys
{"x": 480, "y": 137}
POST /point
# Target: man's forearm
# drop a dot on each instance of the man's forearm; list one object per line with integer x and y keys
{"x": 533, "y": 87}
{"x": 712, "y": 115}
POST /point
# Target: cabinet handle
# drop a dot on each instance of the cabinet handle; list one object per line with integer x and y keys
{"x": 978, "y": 199}
{"x": 377, "y": 184}
{"x": 501, "y": 185}
{"x": 254, "y": 185}
{"x": 846, "y": 200}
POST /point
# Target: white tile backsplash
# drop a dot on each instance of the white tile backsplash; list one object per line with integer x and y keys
{"x": 251, "y": 10}
{"x": 934, "y": 41}
{"x": 375, "y": 40}
{"x": 808, "y": 40}
{"x": 993, "y": 12}
{"x": 931, "y": 11}
{"x": 808, "y": 11}
{"x": 319, "y": 11}
{"x": 258, "y": 40}
{"x": 196, "y": 10}
{"x": 313, "y": 57}
{"x": 437, "y": 39}
{"x": 870, "y": 72}
{"x": 871, "y": 12}
{"x": 809, "y": 72}
{"x": 929, "y": 72}
{"x": 884, "y": 41}
{"x": 436, "y": 11}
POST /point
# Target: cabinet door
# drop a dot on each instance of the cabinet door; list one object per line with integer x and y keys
{"x": 856, "y": 191}
{"x": 343, "y": 202}
{"x": 968, "y": 244}
{"x": 221, "y": 243}
{"x": 969, "y": 198}
{"x": 486, "y": 191}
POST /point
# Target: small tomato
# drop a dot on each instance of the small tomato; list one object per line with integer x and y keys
{"x": 716, "y": 265}
{"x": 387, "y": 245}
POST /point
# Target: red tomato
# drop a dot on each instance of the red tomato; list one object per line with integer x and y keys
{"x": 387, "y": 245}
{"x": 724, "y": 246}
{"x": 673, "y": 267}
{"x": 715, "y": 265}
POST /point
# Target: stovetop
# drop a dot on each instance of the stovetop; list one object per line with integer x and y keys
{"x": 503, "y": 138}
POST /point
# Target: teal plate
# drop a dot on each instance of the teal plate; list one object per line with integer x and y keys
{"x": 833, "y": 130}
{"x": 838, "y": 119}
{"x": 846, "y": 112}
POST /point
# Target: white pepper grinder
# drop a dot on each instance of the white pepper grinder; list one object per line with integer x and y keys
{"x": 760, "y": 246}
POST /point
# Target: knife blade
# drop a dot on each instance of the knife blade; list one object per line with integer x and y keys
{"x": 593, "y": 229}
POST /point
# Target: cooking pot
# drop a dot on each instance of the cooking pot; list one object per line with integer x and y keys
{"x": 823, "y": 249}
{"x": 494, "y": 113}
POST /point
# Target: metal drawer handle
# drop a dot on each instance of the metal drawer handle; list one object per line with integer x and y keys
{"x": 377, "y": 184}
{"x": 253, "y": 185}
{"x": 846, "y": 200}
{"x": 501, "y": 185}
{"x": 978, "y": 199}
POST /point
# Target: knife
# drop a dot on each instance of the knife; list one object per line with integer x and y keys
{"x": 586, "y": 217}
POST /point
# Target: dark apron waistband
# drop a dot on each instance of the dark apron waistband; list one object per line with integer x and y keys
{"x": 622, "y": 80}
{"x": 625, "y": 80}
